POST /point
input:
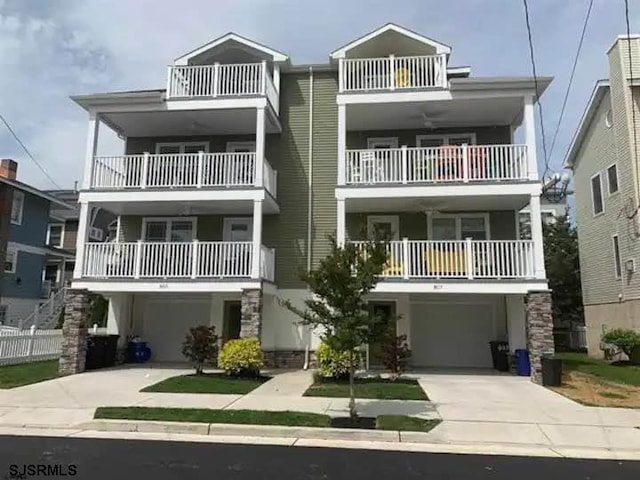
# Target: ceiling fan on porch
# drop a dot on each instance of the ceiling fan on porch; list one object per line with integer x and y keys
{"x": 429, "y": 119}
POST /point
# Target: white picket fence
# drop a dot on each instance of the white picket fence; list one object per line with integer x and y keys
{"x": 23, "y": 346}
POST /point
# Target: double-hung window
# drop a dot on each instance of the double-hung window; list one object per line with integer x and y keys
{"x": 596, "y": 194}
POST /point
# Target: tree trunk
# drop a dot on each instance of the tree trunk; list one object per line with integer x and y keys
{"x": 353, "y": 413}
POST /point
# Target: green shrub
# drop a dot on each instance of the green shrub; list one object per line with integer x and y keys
{"x": 626, "y": 340}
{"x": 200, "y": 346}
{"x": 332, "y": 363}
{"x": 241, "y": 357}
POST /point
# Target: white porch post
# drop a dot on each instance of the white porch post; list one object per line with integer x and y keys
{"x": 82, "y": 238}
{"x": 530, "y": 136}
{"x": 536, "y": 237}
{"x": 257, "y": 239}
{"x": 342, "y": 144}
{"x": 260, "y": 132}
{"x": 276, "y": 76}
{"x": 91, "y": 150}
{"x": 341, "y": 227}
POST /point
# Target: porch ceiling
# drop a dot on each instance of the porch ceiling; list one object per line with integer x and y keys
{"x": 450, "y": 204}
{"x": 216, "y": 207}
{"x": 444, "y": 113}
{"x": 187, "y": 122}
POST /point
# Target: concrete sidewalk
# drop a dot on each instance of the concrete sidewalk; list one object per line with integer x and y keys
{"x": 475, "y": 409}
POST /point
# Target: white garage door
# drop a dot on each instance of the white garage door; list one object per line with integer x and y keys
{"x": 167, "y": 322}
{"x": 451, "y": 335}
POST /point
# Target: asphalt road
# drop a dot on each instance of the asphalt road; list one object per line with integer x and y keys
{"x": 99, "y": 459}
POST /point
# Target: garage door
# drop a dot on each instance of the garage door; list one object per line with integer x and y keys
{"x": 167, "y": 322}
{"x": 451, "y": 335}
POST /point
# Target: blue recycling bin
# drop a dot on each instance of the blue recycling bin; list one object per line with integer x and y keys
{"x": 523, "y": 366}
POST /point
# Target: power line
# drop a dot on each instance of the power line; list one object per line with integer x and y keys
{"x": 535, "y": 81}
{"x": 573, "y": 71}
{"x": 24, "y": 147}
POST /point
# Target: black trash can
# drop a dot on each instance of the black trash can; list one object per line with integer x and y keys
{"x": 101, "y": 351}
{"x": 500, "y": 355}
{"x": 551, "y": 372}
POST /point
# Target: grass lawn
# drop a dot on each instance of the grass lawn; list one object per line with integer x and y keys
{"x": 596, "y": 382}
{"x": 206, "y": 383}
{"x": 26, "y": 373}
{"x": 602, "y": 369}
{"x": 405, "y": 423}
{"x": 203, "y": 415}
{"x": 378, "y": 388}
{"x": 254, "y": 417}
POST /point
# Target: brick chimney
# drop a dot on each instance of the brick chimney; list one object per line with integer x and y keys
{"x": 8, "y": 168}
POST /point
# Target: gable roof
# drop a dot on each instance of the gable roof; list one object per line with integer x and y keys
{"x": 274, "y": 54}
{"x": 440, "y": 47}
{"x": 600, "y": 89}
{"x": 34, "y": 191}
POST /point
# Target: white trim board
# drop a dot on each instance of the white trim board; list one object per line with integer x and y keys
{"x": 473, "y": 286}
{"x": 166, "y": 286}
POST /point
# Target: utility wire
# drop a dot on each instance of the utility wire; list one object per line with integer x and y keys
{"x": 633, "y": 110}
{"x": 24, "y": 147}
{"x": 573, "y": 71}
{"x": 535, "y": 81}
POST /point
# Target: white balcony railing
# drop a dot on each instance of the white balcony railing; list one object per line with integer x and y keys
{"x": 221, "y": 80}
{"x": 465, "y": 163}
{"x": 393, "y": 73}
{"x": 174, "y": 260}
{"x": 183, "y": 170}
{"x": 469, "y": 259}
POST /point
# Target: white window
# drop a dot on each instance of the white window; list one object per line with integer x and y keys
{"x": 460, "y": 227}
{"x": 96, "y": 234}
{"x": 55, "y": 235}
{"x": 616, "y": 256}
{"x": 10, "y": 261}
{"x": 382, "y": 142}
{"x": 179, "y": 229}
{"x": 449, "y": 139}
{"x": 385, "y": 225}
{"x": 241, "y": 147}
{"x": 182, "y": 147}
{"x": 596, "y": 194}
{"x": 16, "y": 207}
{"x": 612, "y": 178}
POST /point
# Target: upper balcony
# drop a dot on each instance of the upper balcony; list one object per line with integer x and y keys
{"x": 392, "y": 64}
{"x": 220, "y": 81}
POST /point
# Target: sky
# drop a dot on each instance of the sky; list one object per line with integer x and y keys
{"x": 51, "y": 49}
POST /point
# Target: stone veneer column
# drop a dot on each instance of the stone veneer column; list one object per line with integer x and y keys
{"x": 251, "y": 313}
{"x": 74, "y": 331}
{"x": 539, "y": 330}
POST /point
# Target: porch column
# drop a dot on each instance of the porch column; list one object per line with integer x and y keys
{"x": 91, "y": 150}
{"x": 82, "y": 238}
{"x": 77, "y": 316}
{"x": 257, "y": 239}
{"x": 341, "y": 227}
{"x": 530, "y": 136}
{"x": 539, "y": 330}
{"x": 251, "y": 313}
{"x": 260, "y": 132}
{"x": 276, "y": 76}
{"x": 342, "y": 144}
{"x": 118, "y": 319}
{"x": 536, "y": 237}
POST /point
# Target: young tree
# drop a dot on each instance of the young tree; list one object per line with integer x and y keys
{"x": 339, "y": 284}
{"x": 200, "y": 346}
{"x": 563, "y": 270}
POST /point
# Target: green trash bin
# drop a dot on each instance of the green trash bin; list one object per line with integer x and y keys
{"x": 551, "y": 372}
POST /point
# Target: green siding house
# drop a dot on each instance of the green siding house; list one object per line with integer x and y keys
{"x": 233, "y": 176}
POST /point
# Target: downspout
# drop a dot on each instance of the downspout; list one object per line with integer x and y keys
{"x": 309, "y": 203}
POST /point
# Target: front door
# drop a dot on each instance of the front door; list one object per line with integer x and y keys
{"x": 386, "y": 310}
{"x": 231, "y": 321}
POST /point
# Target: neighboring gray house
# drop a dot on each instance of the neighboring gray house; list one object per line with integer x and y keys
{"x": 387, "y": 134}
{"x": 605, "y": 163}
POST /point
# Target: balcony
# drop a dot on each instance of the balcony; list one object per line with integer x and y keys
{"x": 181, "y": 171}
{"x": 194, "y": 260}
{"x": 459, "y": 259}
{"x": 221, "y": 81}
{"x": 410, "y": 73}
{"x": 446, "y": 164}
